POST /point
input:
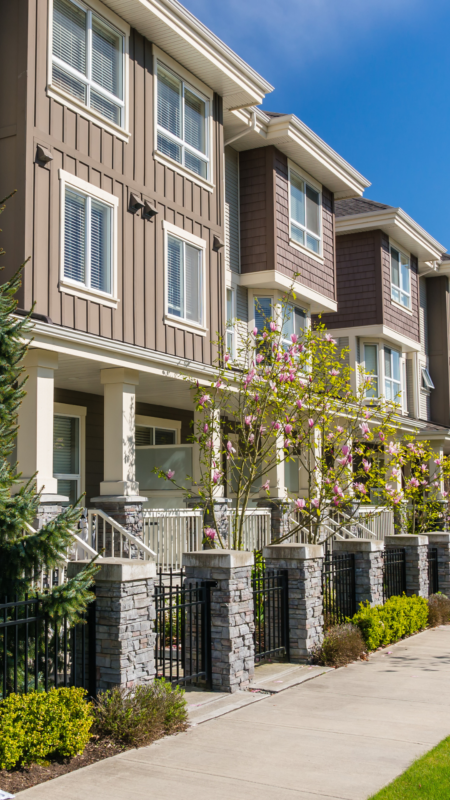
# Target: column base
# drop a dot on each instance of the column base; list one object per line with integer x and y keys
{"x": 126, "y": 510}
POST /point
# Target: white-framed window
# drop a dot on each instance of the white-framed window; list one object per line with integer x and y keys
{"x": 392, "y": 375}
{"x": 295, "y": 320}
{"x": 88, "y": 240}
{"x": 183, "y": 127}
{"x": 151, "y": 435}
{"x": 230, "y": 323}
{"x": 305, "y": 212}
{"x": 88, "y": 59}
{"x": 400, "y": 278}
{"x": 68, "y": 450}
{"x": 263, "y": 308}
{"x": 427, "y": 382}
{"x": 184, "y": 277}
{"x": 371, "y": 368}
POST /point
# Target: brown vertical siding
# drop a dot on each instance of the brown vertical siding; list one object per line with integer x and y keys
{"x": 358, "y": 260}
{"x": 438, "y": 309}
{"x": 393, "y": 316}
{"x": 257, "y": 221}
{"x": 84, "y": 149}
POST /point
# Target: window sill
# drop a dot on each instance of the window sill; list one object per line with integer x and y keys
{"x": 89, "y": 113}
{"x": 186, "y": 173}
{"x": 69, "y": 287}
{"x": 402, "y": 308}
{"x": 183, "y": 324}
{"x": 306, "y": 251}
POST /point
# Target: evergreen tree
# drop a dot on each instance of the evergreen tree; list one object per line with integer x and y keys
{"x": 24, "y": 554}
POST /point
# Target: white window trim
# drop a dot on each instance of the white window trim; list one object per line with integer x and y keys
{"x": 56, "y": 93}
{"x": 171, "y": 319}
{"x": 73, "y": 287}
{"x": 362, "y": 345}
{"x": 66, "y": 410}
{"x": 232, "y": 328}
{"x": 164, "y": 424}
{"x": 304, "y": 176}
{"x": 406, "y": 309}
{"x": 207, "y": 94}
{"x": 402, "y": 389}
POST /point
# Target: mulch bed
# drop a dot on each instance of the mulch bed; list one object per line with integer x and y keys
{"x": 20, "y": 778}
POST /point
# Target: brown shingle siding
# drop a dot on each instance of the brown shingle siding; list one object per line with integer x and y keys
{"x": 393, "y": 316}
{"x": 356, "y": 281}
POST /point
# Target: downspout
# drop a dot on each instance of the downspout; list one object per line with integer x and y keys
{"x": 243, "y": 133}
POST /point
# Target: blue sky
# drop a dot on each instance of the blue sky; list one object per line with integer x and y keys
{"x": 371, "y": 77}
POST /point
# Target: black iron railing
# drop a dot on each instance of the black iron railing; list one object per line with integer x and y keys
{"x": 38, "y": 653}
{"x": 394, "y": 572}
{"x": 433, "y": 573}
{"x": 270, "y": 604}
{"x": 183, "y": 629}
{"x": 338, "y": 588}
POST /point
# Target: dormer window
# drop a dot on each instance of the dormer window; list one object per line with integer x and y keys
{"x": 305, "y": 203}
{"x": 400, "y": 278}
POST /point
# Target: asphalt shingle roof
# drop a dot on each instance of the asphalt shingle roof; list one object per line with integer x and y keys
{"x": 358, "y": 205}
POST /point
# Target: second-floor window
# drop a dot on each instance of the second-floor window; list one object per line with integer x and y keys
{"x": 305, "y": 213}
{"x": 184, "y": 280}
{"x": 88, "y": 243}
{"x": 230, "y": 325}
{"x": 371, "y": 369}
{"x": 182, "y": 123}
{"x": 392, "y": 375}
{"x": 88, "y": 60}
{"x": 400, "y": 278}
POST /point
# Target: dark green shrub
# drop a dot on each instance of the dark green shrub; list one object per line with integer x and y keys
{"x": 438, "y": 610}
{"x": 398, "y": 617}
{"x": 41, "y": 725}
{"x": 139, "y": 716}
{"x": 341, "y": 645}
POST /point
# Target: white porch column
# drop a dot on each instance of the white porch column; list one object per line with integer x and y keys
{"x": 119, "y": 448}
{"x": 35, "y": 434}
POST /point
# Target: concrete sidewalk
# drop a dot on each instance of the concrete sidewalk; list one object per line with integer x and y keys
{"x": 341, "y": 736}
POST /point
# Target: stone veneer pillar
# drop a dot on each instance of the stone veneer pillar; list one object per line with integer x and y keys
{"x": 280, "y": 510}
{"x": 125, "y": 614}
{"x": 219, "y": 519}
{"x": 232, "y": 619}
{"x": 368, "y": 568}
{"x": 416, "y": 559}
{"x": 304, "y": 565}
{"x": 441, "y": 541}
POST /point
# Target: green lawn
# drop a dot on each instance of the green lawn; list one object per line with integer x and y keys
{"x": 427, "y": 779}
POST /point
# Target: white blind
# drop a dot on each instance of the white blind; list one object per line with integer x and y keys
{"x": 75, "y": 237}
{"x": 174, "y": 276}
{"x": 232, "y": 209}
{"x": 100, "y": 216}
{"x": 65, "y": 445}
{"x": 263, "y": 312}
{"x": 69, "y": 34}
{"x": 194, "y": 121}
{"x": 169, "y": 102}
{"x": 193, "y": 283}
{"x": 106, "y": 58}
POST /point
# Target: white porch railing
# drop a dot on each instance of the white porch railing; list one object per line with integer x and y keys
{"x": 110, "y": 539}
{"x": 256, "y": 528}
{"x": 170, "y": 533}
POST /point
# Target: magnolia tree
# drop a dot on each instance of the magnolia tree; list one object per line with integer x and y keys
{"x": 287, "y": 398}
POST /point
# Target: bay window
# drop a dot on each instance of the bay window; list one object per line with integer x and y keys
{"x": 392, "y": 375}
{"x": 305, "y": 205}
{"x": 88, "y": 60}
{"x": 263, "y": 313}
{"x": 400, "y": 278}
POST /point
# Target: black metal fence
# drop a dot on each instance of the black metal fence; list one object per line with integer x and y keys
{"x": 38, "y": 653}
{"x": 394, "y": 572}
{"x": 270, "y": 605}
{"x": 338, "y": 588}
{"x": 183, "y": 629}
{"x": 433, "y": 573}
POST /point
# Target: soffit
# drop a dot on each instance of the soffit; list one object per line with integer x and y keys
{"x": 170, "y": 26}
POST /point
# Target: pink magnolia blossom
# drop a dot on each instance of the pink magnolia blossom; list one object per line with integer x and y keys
{"x": 205, "y": 428}
{"x": 381, "y": 436}
{"x": 329, "y": 338}
{"x": 262, "y": 429}
{"x": 218, "y": 384}
{"x": 438, "y": 461}
{"x": 249, "y": 419}
{"x": 266, "y": 486}
{"x": 360, "y": 488}
{"x": 345, "y": 449}
{"x": 286, "y": 443}
{"x": 315, "y": 502}
{"x": 255, "y": 331}
{"x": 276, "y": 426}
{"x": 209, "y": 444}
{"x": 300, "y": 503}
{"x": 272, "y": 326}
{"x": 230, "y": 447}
{"x": 251, "y": 438}
{"x": 424, "y": 483}
{"x": 366, "y": 465}
{"x": 393, "y": 448}
{"x": 423, "y": 467}
{"x": 216, "y": 476}
{"x": 294, "y": 338}
{"x": 343, "y": 461}
{"x": 311, "y": 423}
{"x": 364, "y": 428}
{"x": 299, "y": 404}
{"x": 288, "y": 429}
{"x": 334, "y": 372}
{"x": 340, "y": 429}
{"x": 444, "y": 494}
{"x": 226, "y": 357}
{"x": 330, "y": 436}
{"x": 259, "y": 358}
{"x": 210, "y": 533}
{"x": 205, "y": 398}
{"x": 265, "y": 335}
{"x": 338, "y": 491}
{"x": 336, "y": 501}
{"x": 292, "y": 377}
{"x": 366, "y": 414}
{"x": 414, "y": 482}
{"x": 170, "y": 473}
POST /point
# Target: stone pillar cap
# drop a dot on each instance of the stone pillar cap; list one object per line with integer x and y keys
{"x": 406, "y": 539}
{"x": 293, "y": 551}
{"x": 358, "y": 545}
{"x": 437, "y": 537}
{"x": 218, "y": 559}
{"x": 116, "y": 570}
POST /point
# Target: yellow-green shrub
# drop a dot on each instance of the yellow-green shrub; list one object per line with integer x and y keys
{"x": 398, "y": 617}
{"x": 38, "y": 725}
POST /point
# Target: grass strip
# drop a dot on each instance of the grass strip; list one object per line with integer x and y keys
{"x": 428, "y": 778}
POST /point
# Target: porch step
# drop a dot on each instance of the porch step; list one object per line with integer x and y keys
{"x": 274, "y": 677}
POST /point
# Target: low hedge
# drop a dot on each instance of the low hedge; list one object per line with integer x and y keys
{"x": 41, "y": 725}
{"x": 398, "y": 617}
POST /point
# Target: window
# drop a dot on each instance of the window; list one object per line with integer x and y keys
{"x": 392, "y": 380}
{"x": 427, "y": 383}
{"x": 305, "y": 213}
{"x": 88, "y": 60}
{"x": 400, "y": 278}
{"x": 184, "y": 280}
{"x": 263, "y": 312}
{"x": 66, "y": 456}
{"x": 294, "y": 322}
{"x": 371, "y": 368}
{"x": 150, "y": 436}
{"x": 88, "y": 242}
{"x": 182, "y": 123}
{"x": 229, "y": 344}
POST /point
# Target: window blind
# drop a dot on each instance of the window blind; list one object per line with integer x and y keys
{"x": 194, "y": 121}
{"x": 174, "y": 276}
{"x": 193, "y": 283}
{"x": 100, "y": 247}
{"x": 69, "y": 34}
{"x": 106, "y": 57}
{"x": 143, "y": 436}
{"x": 263, "y": 312}
{"x": 169, "y": 102}
{"x": 75, "y": 237}
{"x": 66, "y": 445}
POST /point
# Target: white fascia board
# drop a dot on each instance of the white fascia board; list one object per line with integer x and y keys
{"x": 176, "y": 31}
{"x": 379, "y": 332}
{"x": 396, "y": 223}
{"x": 272, "y": 279}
